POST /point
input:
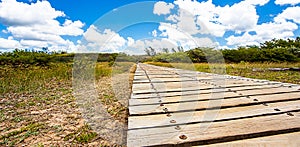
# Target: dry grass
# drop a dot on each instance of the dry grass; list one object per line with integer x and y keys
{"x": 37, "y": 107}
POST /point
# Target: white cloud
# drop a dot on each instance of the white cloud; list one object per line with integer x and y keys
{"x": 241, "y": 18}
{"x": 154, "y": 33}
{"x": 245, "y": 39}
{"x": 264, "y": 32}
{"x": 35, "y": 43}
{"x": 287, "y": 2}
{"x": 276, "y": 30}
{"x": 206, "y": 18}
{"x": 256, "y": 2}
{"x": 181, "y": 38}
{"x": 130, "y": 41}
{"x": 291, "y": 13}
{"x": 105, "y": 41}
{"x": 162, "y": 8}
{"x": 154, "y": 43}
{"x": 9, "y": 43}
{"x": 15, "y": 13}
{"x": 186, "y": 22}
{"x": 35, "y": 25}
{"x": 281, "y": 27}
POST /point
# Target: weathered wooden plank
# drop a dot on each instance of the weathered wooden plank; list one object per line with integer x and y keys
{"x": 281, "y": 140}
{"x": 199, "y": 105}
{"x": 164, "y": 80}
{"x": 163, "y": 86}
{"x": 182, "y": 118}
{"x": 201, "y": 86}
{"x": 209, "y": 89}
{"x": 214, "y": 131}
{"x": 172, "y": 99}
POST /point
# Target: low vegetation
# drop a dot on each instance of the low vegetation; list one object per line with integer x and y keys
{"x": 276, "y": 50}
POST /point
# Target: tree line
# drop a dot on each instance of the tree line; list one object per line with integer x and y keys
{"x": 25, "y": 58}
{"x": 275, "y": 50}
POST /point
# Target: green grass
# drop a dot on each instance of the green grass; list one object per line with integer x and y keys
{"x": 36, "y": 78}
{"x": 33, "y": 78}
{"x": 102, "y": 70}
{"x": 82, "y": 135}
{"x": 244, "y": 69}
{"x": 21, "y": 134}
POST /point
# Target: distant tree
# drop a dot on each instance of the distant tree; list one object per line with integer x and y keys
{"x": 45, "y": 49}
{"x": 173, "y": 50}
{"x": 150, "y": 51}
{"x": 180, "y": 49}
{"x": 166, "y": 50}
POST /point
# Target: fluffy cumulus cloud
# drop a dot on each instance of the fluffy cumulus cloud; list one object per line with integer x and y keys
{"x": 181, "y": 38}
{"x": 206, "y": 18}
{"x": 285, "y": 2}
{"x": 283, "y": 26}
{"x": 104, "y": 41}
{"x": 216, "y": 20}
{"x": 162, "y": 8}
{"x": 35, "y": 25}
{"x": 9, "y": 43}
{"x": 263, "y": 32}
{"x": 291, "y": 13}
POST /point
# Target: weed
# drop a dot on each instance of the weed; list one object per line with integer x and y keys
{"x": 20, "y": 135}
{"x": 2, "y": 116}
{"x": 82, "y": 135}
{"x": 18, "y": 119}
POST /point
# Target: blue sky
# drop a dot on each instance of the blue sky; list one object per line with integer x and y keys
{"x": 131, "y": 26}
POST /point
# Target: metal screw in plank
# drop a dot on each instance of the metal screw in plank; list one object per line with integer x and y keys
{"x": 255, "y": 100}
{"x": 173, "y": 121}
{"x": 183, "y": 137}
{"x": 169, "y": 115}
{"x": 177, "y": 127}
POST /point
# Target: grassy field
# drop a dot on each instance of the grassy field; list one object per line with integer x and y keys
{"x": 37, "y": 107}
{"x": 245, "y": 70}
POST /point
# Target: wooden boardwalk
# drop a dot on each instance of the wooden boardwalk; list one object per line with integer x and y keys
{"x": 180, "y": 107}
